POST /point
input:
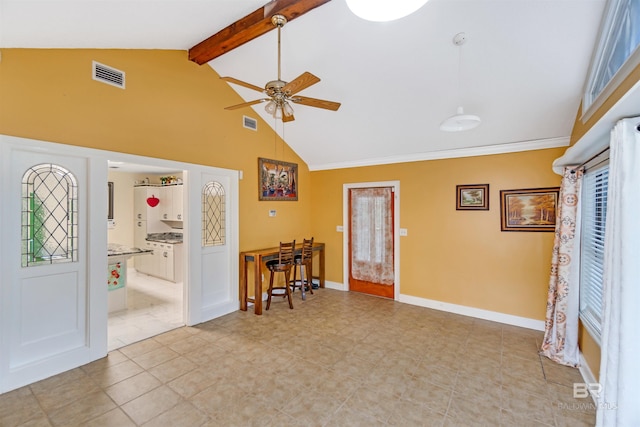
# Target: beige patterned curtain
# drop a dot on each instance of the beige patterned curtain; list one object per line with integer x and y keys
{"x": 372, "y": 235}
{"x": 560, "y": 342}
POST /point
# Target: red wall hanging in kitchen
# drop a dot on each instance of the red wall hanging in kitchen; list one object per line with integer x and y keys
{"x": 153, "y": 201}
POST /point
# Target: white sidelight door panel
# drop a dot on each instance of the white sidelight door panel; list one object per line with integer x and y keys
{"x": 45, "y": 292}
{"x": 213, "y": 243}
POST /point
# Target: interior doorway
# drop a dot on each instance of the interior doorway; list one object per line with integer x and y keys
{"x": 371, "y": 267}
{"x": 151, "y": 296}
{"x": 55, "y": 311}
{"x": 370, "y": 241}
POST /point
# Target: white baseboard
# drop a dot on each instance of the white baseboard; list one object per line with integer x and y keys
{"x": 587, "y": 375}
{"x": 334, "y": 285}
{"x": 479, "y": 313}
{"x": 585, "y": 371}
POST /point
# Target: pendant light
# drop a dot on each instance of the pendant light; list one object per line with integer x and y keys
{"x": 384, "y": 10}
{"x": 460, "y": 121}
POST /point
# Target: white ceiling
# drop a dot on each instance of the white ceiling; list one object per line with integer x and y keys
{"x": 522, "y": 69}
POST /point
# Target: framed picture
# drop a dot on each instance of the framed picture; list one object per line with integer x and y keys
{"x": 532, "y": 209}
{"x": 277, "y": 180}
{"x": 472, "y": 197}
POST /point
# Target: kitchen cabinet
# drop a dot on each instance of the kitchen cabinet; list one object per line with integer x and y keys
{"x": 165, "y": 263}
{"x": 139, "y": 233}
{"x": 177, "y": 203}
{"x": 149, "y": 218}
{"x": 171, "y": 203}
{"x": 142, "y": 210}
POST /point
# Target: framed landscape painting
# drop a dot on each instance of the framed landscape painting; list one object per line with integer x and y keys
{"x": 472, "y": 197}
{"x": 531, "y": 209}
{"x": 277, "y": 180}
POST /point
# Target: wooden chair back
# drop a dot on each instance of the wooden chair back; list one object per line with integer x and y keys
{"x": 307, "y": 250}
{"x": 285, "y": 255}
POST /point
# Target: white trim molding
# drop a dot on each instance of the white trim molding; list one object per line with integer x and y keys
{"x": 585, "y": 371}
{"x": 494, "y": 316}
{"x": 512, "y": 147}
{"x": 335, "y": 285}
{"x": 396, "y": 230}
{"x": 587, "y": 375}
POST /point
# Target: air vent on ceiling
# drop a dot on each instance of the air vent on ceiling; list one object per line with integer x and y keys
{"x": 108, "y": 75}
{"x": 249, "y": 123}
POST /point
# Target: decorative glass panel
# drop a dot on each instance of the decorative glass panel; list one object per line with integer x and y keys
{"x": 49, "y": 216}
{"x": 213, "y": 214}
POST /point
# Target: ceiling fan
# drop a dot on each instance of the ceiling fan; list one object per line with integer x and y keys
{"x": 281, "y": 93}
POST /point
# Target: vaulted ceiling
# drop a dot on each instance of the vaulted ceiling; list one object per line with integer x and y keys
{"x": 521, "y": 70}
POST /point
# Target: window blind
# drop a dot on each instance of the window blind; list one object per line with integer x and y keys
{"x": 594, "y": 214}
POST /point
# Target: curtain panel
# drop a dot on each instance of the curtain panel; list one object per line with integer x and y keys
{"x": 618, "y": 403}
{"x": 560, "y": 342}
{"x": 372, "y": 245}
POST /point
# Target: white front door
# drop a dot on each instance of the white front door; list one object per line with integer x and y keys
{"x": 213, "y": 243}
{"x": 47, "y": 283}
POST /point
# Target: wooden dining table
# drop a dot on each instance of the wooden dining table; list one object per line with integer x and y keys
{"x": 259, "y": 257}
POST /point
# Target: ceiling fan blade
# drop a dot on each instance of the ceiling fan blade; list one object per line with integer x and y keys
{"x": 288, "y": 118}
{"x": 241, "y": 83}
{"x": 314, "y": 102}
{"x": 247, "y": 104}
{"x": 303, "y": 81}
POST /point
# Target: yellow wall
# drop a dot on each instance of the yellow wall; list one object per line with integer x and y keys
{"x": 171, "y": 108}
{"x": 590, "y": 350}
{"x": 458, "y": 257}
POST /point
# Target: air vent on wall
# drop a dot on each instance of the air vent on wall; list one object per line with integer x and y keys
{"x": 108, "y": 75}
{"x": 249, "y": 123}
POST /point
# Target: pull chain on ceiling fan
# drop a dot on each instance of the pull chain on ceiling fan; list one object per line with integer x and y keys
{"x": 281, "y": 93}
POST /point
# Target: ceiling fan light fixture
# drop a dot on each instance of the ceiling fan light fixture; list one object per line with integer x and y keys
{"x": 288, "y": 110}
{"x": 270, "y": 107}
{"x": 460, "y": 122}
{"x": 384, "y": 10}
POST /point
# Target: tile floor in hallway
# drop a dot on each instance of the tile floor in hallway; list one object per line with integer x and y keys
{"x": 153, "y": 306}
{"x": 336, "y": 359}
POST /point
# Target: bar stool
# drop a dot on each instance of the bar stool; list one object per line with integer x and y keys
{"x": 281, "y": 265}
{"x": 304, "y": 261}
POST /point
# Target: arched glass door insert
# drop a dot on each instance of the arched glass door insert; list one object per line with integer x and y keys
{"x": 49, "y": 221}
{"x": 213, "y": 214}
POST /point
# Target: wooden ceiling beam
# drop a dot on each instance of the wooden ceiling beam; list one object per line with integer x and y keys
{"x": 250, "y": 27}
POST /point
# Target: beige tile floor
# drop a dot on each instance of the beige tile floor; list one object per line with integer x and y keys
{"x": 153, "y": 306}
{"x": 337, "y": 359}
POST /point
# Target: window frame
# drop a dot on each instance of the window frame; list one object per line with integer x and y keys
{"x": 606, "y": 43}
{"x": 592, "y": 238}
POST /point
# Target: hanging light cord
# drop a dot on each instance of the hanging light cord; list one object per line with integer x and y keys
{"x": 459, "y": 73}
